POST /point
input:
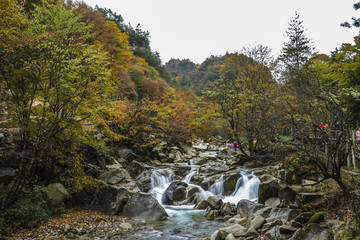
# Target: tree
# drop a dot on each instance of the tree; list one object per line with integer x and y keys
{"x": 355, "y": 21}
{"x": 53, "y": 78}
{"x": 242, "y": 96}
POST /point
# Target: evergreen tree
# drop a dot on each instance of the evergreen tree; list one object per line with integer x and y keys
{"x": 298, "y": 49}
{"x": 355, "y": 21}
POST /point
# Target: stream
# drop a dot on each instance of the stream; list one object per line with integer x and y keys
{"x": 184, "y": 222}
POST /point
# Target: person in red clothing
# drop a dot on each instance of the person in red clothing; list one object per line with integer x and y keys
{"x": 357, "y": 133}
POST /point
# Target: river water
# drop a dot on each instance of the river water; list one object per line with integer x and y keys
{"x": 184, "y": 222}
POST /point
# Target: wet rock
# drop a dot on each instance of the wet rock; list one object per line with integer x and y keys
{"x": 267, "y": 190}
{"x": 144, "y": 206}
{"x": 226, "y": 209}
{"x": 215, "y": 202}
{"x": 203, "y": 204}
{"x": 113, "y": 176}
{"x": 176, "y": 191}
{"x": 191, "y": 190}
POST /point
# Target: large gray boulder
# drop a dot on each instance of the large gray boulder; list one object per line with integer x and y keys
{"x": 113, "y": 176}
{"x": 57, "y": 193}
{"x": 215, "y": 202}
{"x": 143, "y": 181}
{"x": 268, "y": 189}
{"x": 144, "y": 206}
{"x": 111, "y": 199}
{"x": 174, "y": 193}
{"x": 246, "y": 208}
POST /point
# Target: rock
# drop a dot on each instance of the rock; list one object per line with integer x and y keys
{"x": 135, "y": 168}
{"x": 272, "y": 202}
{"x": 143, "y": 181}
{"x": 182, "y": 170}
{"x": 203, "y": 204}
{"x": 317, "y": 217}
{"x": 303, "y": 199}
{"x": 287, "y": 194}
{"x": 267, "y": 190}
{"x": 230, "y": 237}
{"x": 230, "y": 183}
{"x": 176, "y": 191}
{"x": 312, "y": 231}
{"x": 239, "y": 220}
{"x": 266, "y": 178}
{"x": 269, "y": 225}
{"x": 282, "y": 214}
{"x": 144, "y": 206}
{"x": 113, "y": 176}
{"x": 303, "y": 217}
{"x": 286, "y": 229}
{"x": 57, "y": 193}
{"x": 191, "y": 190}
{"x": 215, "y": 236}
{"x": 226, "y": 209}
{"x": 128, "y": 155}
{"x": 235, "y": 229}
{"x": 273, "y": 234}
{"x": 207, "y": 156}
{"x": 207, "y": 182}
{"x": 126, "y": 226}
{"x": 257, "y": 222}
{"x": 246, "y": 208}
{"x": 296, "y": 224}
{"x": 111, "y": 199}
{"x": 6, "y": 175}
{"x": 212, "y": 214}
{"x": 215, "y": 202}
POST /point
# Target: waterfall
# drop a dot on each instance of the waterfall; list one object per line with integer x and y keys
{"x": 188, "y": 177}
{"x": 160, "y": 180}
{"x": 218, "y": 187}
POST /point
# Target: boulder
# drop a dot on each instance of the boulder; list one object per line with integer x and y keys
{"x": 235, "y": 229}
{"x": 135, "y": 168}
{"x": 191, "y": 190}
{"x": 143, "y": 181}
{"x": 257, "y": 222}
{"x": 176, "y": 191}
{"x": 267, "y": 190}
{"x": 303, "y": 217}
{"x": 57, "y": 193}
{"x": 203, "y": 204}
{"x": 144, "y": 206}
{"x": 230, "y": 183}
{"x": 246, "y": 208}
{"x": 303, "y": 199}
{"x": 215, "y": 202}
{"x": 273, "y": 234}
{"x": 272, "y": 202}
{"x": 227, "y": 209}
{"x": 113, "y": 176}
{"x": 287, "y": 194}
{"x": 312, "y": 231}
{"x": 128, "y": 155}
{"x": 239, "y": 220}
{"x": 283, "y": 214}
{"x": 317, "y": 217}
{"x": 286, "y": 229}
{"x": 111, "y": 199}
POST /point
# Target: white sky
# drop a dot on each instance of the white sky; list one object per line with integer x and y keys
{"x": 197, "y": 29}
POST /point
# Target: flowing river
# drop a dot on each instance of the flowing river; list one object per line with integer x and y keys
{"x": 185, "y": 223}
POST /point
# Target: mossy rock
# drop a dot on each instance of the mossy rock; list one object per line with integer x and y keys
{"x": 317, "y": 217}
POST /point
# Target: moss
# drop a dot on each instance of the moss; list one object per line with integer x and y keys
{"x": 230, "y": 186}
{"x": 317, "y": 217}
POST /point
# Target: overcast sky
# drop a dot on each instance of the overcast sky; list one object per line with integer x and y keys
{"x": 197, "y": 29}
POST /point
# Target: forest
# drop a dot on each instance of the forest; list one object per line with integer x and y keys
{"x": 79, "y": 85}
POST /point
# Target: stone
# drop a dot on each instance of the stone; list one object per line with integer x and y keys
{"x": 269, "y": 225}
{"x": 286, "y": 229}
{"x": 303, "y": 217}
{"x": 230, "y": 237}
{"x": 57, "y": 193}
{"x": 111, "y": 199}
{"x": 257, "y": 222}
{"x": 203, "y": 204}
{"x": 235, "y": 229}
{"x": 126, "y": 226}
{"x": 272, "y": 202}
{"x": 230, "y": 183}
{"x": 128, "y": 155}
{"x": 312, "y": 231}
{"x": 144, "y": 206}
{"x": 143, "y": 181}
{"x": 215, "y": 236}
{"x": 283, "y": 214}
{"x": 226, "y": 209}
{"x": 296, "y": 224}
{"x": 113, "y": 176}
{"x": 246, "y": 208}
{"x": 303, "y": 199}
{"x": 135, "y": 168}
{"x": 171, "y": 194}
{"x": 191, "y": 190}
{"x": 239, "y": 220}
{"x": 215, "y": 202}
{"x": 287, "y": 194}
{"x": 317, "y": 217}
{"x": 267, "y": 190}
{"x": 273, "y": 234}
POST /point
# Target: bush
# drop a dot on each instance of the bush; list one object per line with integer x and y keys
{"x": 25, "y": 213}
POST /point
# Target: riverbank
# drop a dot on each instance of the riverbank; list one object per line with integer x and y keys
{"x": 81, "y": 224}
